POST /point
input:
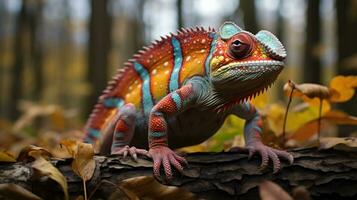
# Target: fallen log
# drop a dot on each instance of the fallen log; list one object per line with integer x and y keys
{"x": 326, "y": 174}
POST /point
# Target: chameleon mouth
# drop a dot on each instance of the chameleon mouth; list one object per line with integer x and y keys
{"x": 252, "y": 66}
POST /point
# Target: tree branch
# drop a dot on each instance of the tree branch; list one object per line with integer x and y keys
{"x": 326, "y": 174}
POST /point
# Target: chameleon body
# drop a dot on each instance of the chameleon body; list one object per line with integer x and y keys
{"x": 178, "y": 92}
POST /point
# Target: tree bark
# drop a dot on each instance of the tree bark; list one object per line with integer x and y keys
{"x": 327, "y": 174}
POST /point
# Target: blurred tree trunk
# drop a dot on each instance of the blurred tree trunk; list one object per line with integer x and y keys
{"x": 280, "y": 21}
{"x": 280, "y": 34}
{"x": 249, "y": 15}
{"x": 98, "y": 51}
{"x": 312, "y": 65}
{"x": 3, "y": 14}
{"x": 65, "y": 54}
{"x": 347, "y": 51}
{"x": 179, "y": 4}
{"x": 35, "y": 25}
{"x": 18, "y": 61}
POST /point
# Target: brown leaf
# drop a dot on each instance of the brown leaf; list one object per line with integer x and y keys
{"x": 45, "y": 168}
{"x": 29, "y": 151}
{"x": 6, "y": 157}
{"x": 343, "y": 87}
{"x": 146, "y": 187}
{"x": 301, "y": 193}
{"x": 70, "y": 146}
{"x": 310, "y": 90}
{"x": 16, "y": 192}
{"x": 349, "y": 143}
{"x": 83, "y": 163}
{"x": 271, "y": 191}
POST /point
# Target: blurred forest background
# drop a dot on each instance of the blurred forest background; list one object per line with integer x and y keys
{"x": 63, "y": 52}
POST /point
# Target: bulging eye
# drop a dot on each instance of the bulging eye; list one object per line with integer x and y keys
{"x": 240, "y": 46}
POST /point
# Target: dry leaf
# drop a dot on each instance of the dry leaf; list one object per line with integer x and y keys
{"x": 301, "y": 193}
{"x": 83, "y": 163}
{"x": 344, "y": 86}
{"x": 45, "y": 168}
{"x": 310, "y": 90}
{"x": 6, "y": 157}
{"x": 348, "y": 143}
{"x": 309, "y": 129}
{"x": 16, "y": 192}
{"x": 27, "y": 153}
{"x": 146, "y": 187}
{"x": 71, "y": 146}
{"x": 271, "y": 191}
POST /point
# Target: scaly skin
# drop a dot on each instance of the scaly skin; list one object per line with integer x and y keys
{"x": 180, "y": 90}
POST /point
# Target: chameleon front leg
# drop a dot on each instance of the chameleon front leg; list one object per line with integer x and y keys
{"x": 124, "y": 131}
{"x": 172, "y": 104}
{"x": 252, "y": 131}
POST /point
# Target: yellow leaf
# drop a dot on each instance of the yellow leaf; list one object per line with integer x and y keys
{"x": 83, "y": 163}
{"x": 344, "y": 86}
{"x": 309, "y": 129}
{"x": 305, "y": 131}
{"x": 275, "y": 118}
{"x": 45, "y": 168}
{"x": 16, "y": 192}
{"x": 6, "y": 157}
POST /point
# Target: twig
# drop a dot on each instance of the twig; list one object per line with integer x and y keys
{"x": 286, "y": 112}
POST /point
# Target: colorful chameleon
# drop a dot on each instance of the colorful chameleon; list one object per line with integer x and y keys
{"x": 182, "y": 88}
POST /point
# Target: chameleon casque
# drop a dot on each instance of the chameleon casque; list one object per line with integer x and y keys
{"x": 178, "y": 92}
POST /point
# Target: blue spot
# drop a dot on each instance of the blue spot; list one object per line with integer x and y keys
{"x": 257, "y": 128}
{"x": 88, "y": 140}
{"x": 272, "y": 42}
{"x": 228, "y": 29}
{"x": 119, "y": 135}
{"x": 174, "y": 79}
{"x": 209, "y": 57}
{"x": 93, "y": 133}
{"x": 145, "y": 77}
{"x": 177, "y": 99}
{"x": 247, "y": 106}
{"x": 157, "y": 134}
{"x": 118, "y": 144}
{"x": 113, "y": 102}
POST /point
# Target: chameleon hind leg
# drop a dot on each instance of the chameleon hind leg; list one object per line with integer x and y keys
{"x": 124, "y": 131}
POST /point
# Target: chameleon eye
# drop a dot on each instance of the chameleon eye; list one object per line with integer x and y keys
{"x": 240, "y": 46}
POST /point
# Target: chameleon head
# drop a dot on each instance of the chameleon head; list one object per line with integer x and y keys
{"x": 244, "y": 62}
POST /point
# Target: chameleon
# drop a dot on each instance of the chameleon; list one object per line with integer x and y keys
{"x": 178, "y": 91}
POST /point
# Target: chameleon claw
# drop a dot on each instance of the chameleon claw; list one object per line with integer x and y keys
{"x": 268, "y": 153}
{"x": 132, "y": 151}
{"x": 165, "y": 157}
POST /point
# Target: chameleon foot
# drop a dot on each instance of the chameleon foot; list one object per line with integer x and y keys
{"x": 132, "y": 151}
{"x": 269, "y": 153}
{"x": 164, "y": 156}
